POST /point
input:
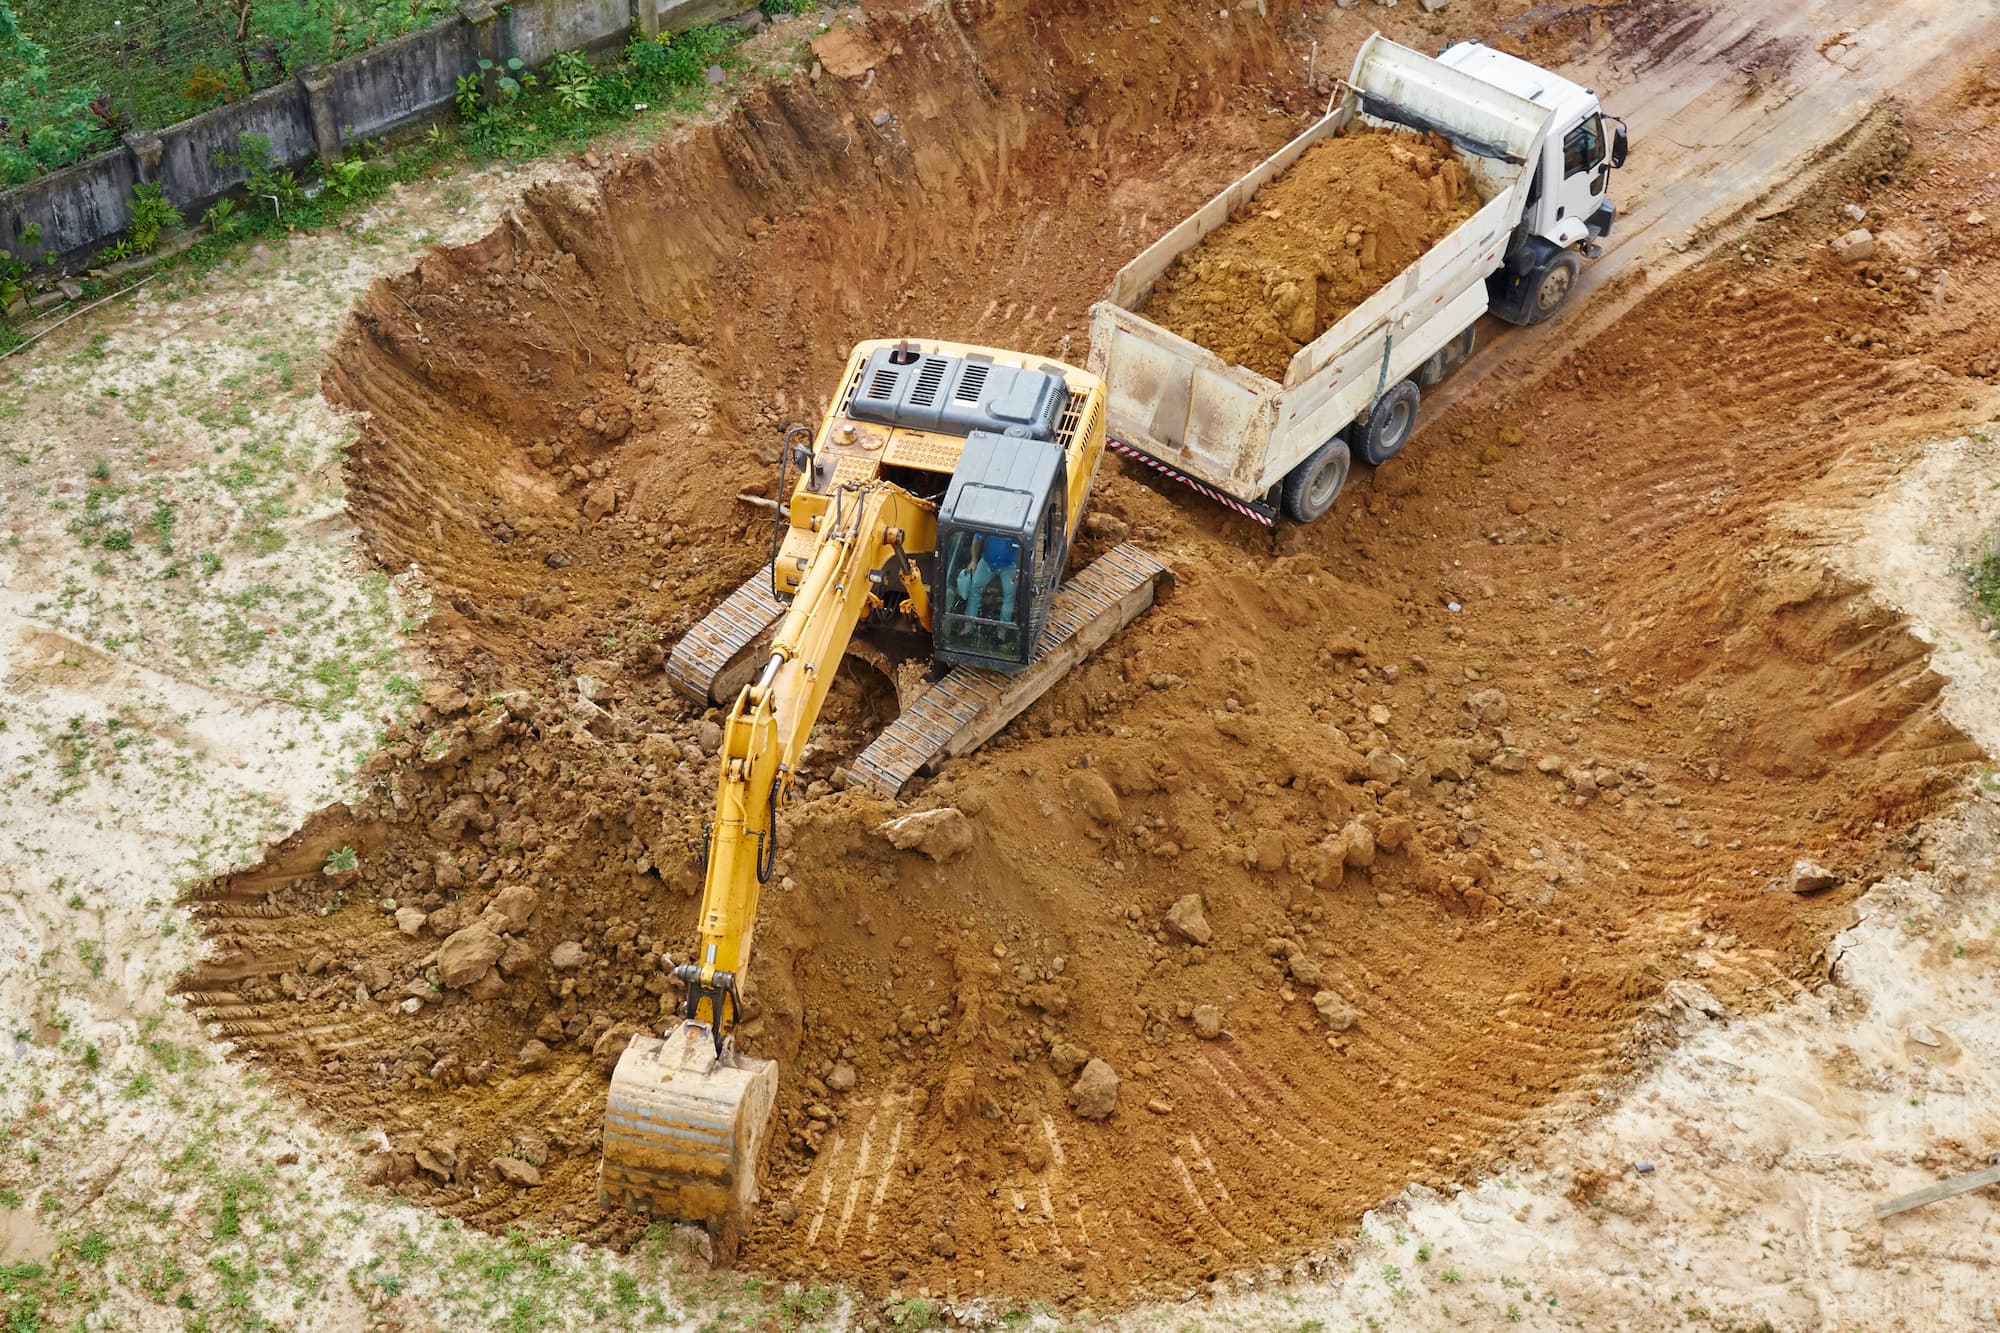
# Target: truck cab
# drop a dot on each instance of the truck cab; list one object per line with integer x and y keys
{"x": 1569, "y": 206}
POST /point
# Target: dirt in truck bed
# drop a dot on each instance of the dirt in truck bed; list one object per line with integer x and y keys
{"x": 1368, "y": 856}
{"x": 1350, "y": 214}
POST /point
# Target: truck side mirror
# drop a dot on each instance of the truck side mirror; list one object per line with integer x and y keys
{"x": 1621, "y": 145}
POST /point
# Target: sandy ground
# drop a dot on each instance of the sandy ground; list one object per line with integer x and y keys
{"x": 166, "y": 724}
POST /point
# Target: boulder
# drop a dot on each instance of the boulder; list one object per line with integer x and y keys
{"x": 940, "y": 834}
{"x": 1186, "y": 919}
{"x": 1337, "y": 1013}
{"x": 469, "y": 954}
{"x": 517, "y": 1172}
{"x": 1811, "y": 877}
{"x": 1094, "y": 796}
{"x": 1095, "y": 1094}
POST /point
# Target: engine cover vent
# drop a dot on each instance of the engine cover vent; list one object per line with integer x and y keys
{"x": 958, "y": 395}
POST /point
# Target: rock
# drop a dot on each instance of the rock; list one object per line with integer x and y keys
{"x": 445, "y": 747}
{"x": 1549, "y": 763}
{"x": 1208, "y": 1021}
{"x": 1513, "y": 436}
{"x": 1811, "y": 877}
{"x": 1186, "y": 919}
{"x": 599, "y": 501}
{"x": 1451, "y": 759}
{"x": 445, "y": 872}
{"x": 604, "y": 1052}
{"x": 1066, "y": 1058}
{"x": 469, "y": 954}
{"x": 1489, "y": 707}
{"x": 1854, "y": 212}
{"x": 1397, "y": 831}
{"x": 1509, "y": 760}
{"x": 1360, "y": 845}
{"x": 1432, "y": 6}
{"x": 710, "y": 736}
{"x": 1856, "y": 246}
{"x": 1304, "y": 970}
{"x": 1094, "y": 795}
{"x": 517, "y": 1172}
{"x": 1267, "y": 851}
{"x": 1159, "y": 1106}
{"x": 1385, "y": 767}
{"x": 843, "y": 1078}
{"x": 1095, "y": 1094}
{"x": 846, "y": 52}
{"x": 411, "y": 920}
{"x": 943, "y": 1246}
{"x": 1337, "y": 1013}
{"x": 1107, "y": 526}
{"x": 510, "y": 909}
{"x": 940, "y": 834}
{"x": 567, "y": 956}
{"x": 1583, "y": 782}
{"x": 533, "y": 1055}
{"x": 412, "y": 1005}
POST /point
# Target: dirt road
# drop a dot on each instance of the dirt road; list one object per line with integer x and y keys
{"x": 1497, "y": 759}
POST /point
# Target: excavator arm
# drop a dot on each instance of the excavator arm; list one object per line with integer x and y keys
{"x": 686, "y": 1115}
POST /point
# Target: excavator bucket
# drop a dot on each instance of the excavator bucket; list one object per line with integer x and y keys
{"x": 683, "y": 1131}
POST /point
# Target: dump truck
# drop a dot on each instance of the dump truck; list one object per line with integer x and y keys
{"x": 1539, "y": 150}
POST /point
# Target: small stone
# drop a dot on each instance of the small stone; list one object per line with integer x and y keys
{"x": 1095, "y": 1094}
{"x": 1856, "y": 246}
{"x": 1811, "y": 877}
{"x": 710, "y": 736}
{"x": 1854, "y": 212}
{"x": 567, "y": 956}
{"x": 1207, "y": 1021}
{"x": 1159, "y": 1106}
{"x": 943, "y": 1246}
{"x": 1549, "y": 763}
{"x": 1090, "y": 791}
{"x": 1337, "y": 1013}
{"x": 510, "y": 909}
{"x": 1067, "y": 1057}
{"x": 517, "y": 1172}
{"x": 533, "y": 1055}
{"x": 1519, "y": 503}
{"x": 843, "y": 1078}
{"x": 411, "y": 1005}
{"x": 1643, "y": 1168}
{"x": 410, "y": 920}
{"x": 1186, "y": 919}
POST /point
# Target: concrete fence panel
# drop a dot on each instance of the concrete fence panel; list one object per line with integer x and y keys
{"x": 401, "y": 82}
{"x": 541, "y": 28}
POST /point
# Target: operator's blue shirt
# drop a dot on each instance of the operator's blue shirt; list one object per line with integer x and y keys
{"x": 1000, "y": 554}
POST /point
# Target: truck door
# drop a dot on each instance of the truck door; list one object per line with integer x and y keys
{"x": 1586, "y": 171}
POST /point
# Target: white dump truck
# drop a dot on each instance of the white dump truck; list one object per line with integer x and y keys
{"x": 1536, "y": 147}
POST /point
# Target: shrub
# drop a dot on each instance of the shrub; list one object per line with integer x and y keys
{"x": 151, "y": 214}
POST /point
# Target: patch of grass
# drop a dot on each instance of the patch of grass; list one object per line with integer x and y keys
{"x": 915, "y": 1313}
{"x": 1985, "y": 580}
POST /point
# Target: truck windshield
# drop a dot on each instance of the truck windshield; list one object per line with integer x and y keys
{"x": 982, "y": 580}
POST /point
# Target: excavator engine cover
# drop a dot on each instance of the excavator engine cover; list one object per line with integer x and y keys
{"x": 957, "y": 395}
{"x": 683, "y": 1130}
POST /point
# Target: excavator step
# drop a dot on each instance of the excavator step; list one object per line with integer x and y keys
{"x": 966, "y": 708}
{"x": 715, "y": 660}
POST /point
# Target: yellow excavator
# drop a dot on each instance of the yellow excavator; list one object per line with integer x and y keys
{"x": 940, "y": 498}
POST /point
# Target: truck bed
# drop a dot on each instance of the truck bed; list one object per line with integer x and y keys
{"x": 1235, "y": 433}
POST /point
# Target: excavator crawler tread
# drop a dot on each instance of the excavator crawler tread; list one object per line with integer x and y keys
{"x": 970, "y": 704}
{"x": 700, "y": 666}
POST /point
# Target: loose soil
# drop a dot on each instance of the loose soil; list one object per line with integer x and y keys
{"x": 1530, "y": 727}
{"x": 1313, "y": 244}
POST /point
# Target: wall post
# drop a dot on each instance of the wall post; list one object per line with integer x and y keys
{"x": 485, "y": 23}
{"x": 319, "y": 113}
{"x": 646, "y": 19}
{"x": 146, "y": 150}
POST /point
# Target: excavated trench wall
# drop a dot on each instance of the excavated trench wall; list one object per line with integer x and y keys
{"x": 1459, "y": 790}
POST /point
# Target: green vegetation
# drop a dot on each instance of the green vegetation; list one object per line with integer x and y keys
{"x": 341, "y": 860}
{"x": 1985, "y": 579}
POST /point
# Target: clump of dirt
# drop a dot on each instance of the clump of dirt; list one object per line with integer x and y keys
{"x": 1457, "y": 779}
{"x": 1313, "y": 244}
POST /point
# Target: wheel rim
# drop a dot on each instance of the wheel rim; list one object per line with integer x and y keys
{"x": 1397, "y": 428}
{"x": 1325, "y": 483}
{"x": 1555, "y": 287}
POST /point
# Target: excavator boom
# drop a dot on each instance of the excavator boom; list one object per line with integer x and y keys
{"x": 686, "y": 1115}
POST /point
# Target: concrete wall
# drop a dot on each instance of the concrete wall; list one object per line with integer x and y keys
{"x": 401, "y": 82}
{"x": 82, "y": 209}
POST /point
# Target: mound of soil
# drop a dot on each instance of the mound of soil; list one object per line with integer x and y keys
{"x": 1457, "y": 779}
{"x": 1313, "y": 244}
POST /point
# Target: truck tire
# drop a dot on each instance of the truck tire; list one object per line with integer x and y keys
{"x": 1381, "y": 435}
{"x": 1550, "y": 289}
{"x": 1313, "y": 486}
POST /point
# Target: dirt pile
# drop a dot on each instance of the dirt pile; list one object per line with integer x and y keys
{"x": 1315, "y": 243}
{"x": 1459, "y": 778}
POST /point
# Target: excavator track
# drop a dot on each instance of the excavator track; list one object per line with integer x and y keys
{"x": 965, "y": 709}
{"x": 715, "y": 659}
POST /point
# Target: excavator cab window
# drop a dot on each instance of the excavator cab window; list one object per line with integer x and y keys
{"x": 982, "y": 597}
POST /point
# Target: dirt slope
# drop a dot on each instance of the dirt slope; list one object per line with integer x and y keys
{"x": 1336, "y": 737}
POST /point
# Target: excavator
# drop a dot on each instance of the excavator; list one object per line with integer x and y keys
{"x": 938, "y": 501}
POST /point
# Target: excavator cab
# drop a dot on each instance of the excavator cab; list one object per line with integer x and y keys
{"x": 1002, "y": 544}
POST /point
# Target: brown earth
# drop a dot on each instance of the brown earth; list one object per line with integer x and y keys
{"x": 1333, "y": 736}
{"x": 1316, "y": 242}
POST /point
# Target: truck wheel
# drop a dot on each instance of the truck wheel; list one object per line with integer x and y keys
{"x": 1553, "y": 287}
{"x": 1313, "y": 486}
{"x": 1387, "y": 429}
